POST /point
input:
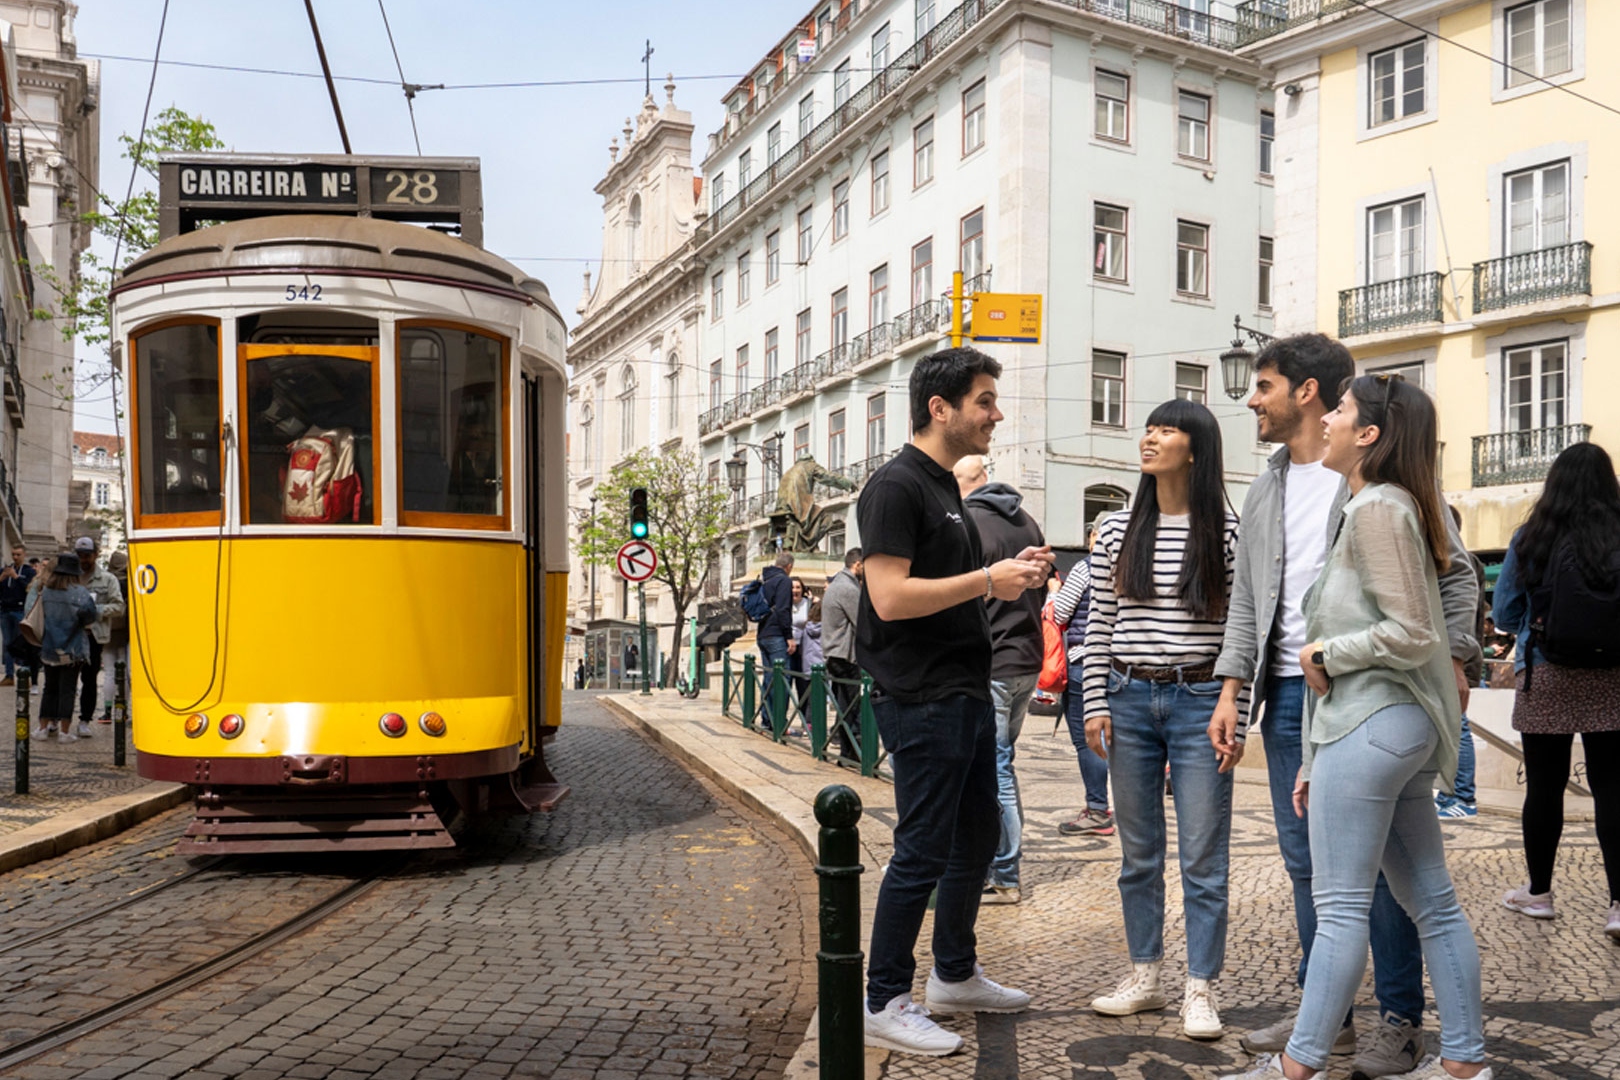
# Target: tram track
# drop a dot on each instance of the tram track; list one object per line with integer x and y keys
{"x": 102, "y": 912}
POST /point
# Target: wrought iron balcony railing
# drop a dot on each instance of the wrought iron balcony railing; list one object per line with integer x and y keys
{"x": 1389, "y": 305}
{"x": 1533, "y": 276}
{"x": 709, "y": 420}
{"x": 1258, "y": 19}
{"x": 16, "y": 394}
{"x": 1522, "y": 457}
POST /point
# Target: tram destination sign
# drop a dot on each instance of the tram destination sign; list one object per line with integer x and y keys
{"x": 197, "y": 189}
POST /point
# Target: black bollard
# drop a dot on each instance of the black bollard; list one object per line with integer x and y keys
{"x": 840, "y": 961}
{"x": 22, "y": 731}
{"x": 120, "y": 713}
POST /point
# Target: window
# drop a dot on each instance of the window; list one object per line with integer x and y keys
{"x": 1192, "y": 259}
{"x": 177, "y": 442}
{"x": 1535, "y": 377}
{"x": 745, "y": 168}
{"x": 837, "y": 542}
{"x": 744, "y": 288}
{"x": 717, "y": 296}
{"x": 1100, "y": 498}
{"x": 672, "y": 385}
{"x": 1192, "y": 382}
{"x": 878, "y": 300}
{"x": 103, "y": 493}
{"x": 1412, "y": 372}
{"x": 598, "y": 449}
{"x": 801, "y": 442}
{"x": 1108, "y": 389}
{"x": 876, "y": 405}
{"x": 773, "y": 257}
{"x": 1395, "y": 79}
{"x": 840, "y": 317}
{"x": 1113, "y": 97}
{"x": 1192, "y": 125}
{"x": 627, "y": 410}
{"x": 742, "y": 370}
{"x": 835, "y": 439}
{"x": 973, "y": 118}
{"x": 716, "y": 381}
{"x": 587, "y": 420}
{"x": 840, "y": 209}
{"x": 807, "y": 114}
{"x": 922, "y": 153}
{"x": 1109, "y": 238}
{"x": 880, "y": 49}
{"x": 840, "y": 84}
{"x": 739, "y": 562}
{"x": 972, "y": 253}
{"x": 806, "y": 237}
{"x": 922, "y": 272}
{"x": 1264, "y": 293}
{"x": 925, "y": 17}
{"x": 717, "y": 193}
{"x": 773, "y": 354}
{"x": 801, "y": 339}
{"x": 1538, "y": 209}
{"x": 1395, "y": 241}
{"x": 308, "y": 419}
{"x": 1538, "y": 41}
{"x": 773, "y": 143}
{"x": 880, "y": 182}
{"x": 1268, "y": 137}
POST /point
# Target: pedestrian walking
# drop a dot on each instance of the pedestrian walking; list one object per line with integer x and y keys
{"x": 1016, "y": 651}
{"x": 810, "y": 648}
{"x": 64, "y": 645}
{"x": 1290, "y": 515}
{"x": 1460, "y": 803}
{"x": 1558, "y": 593}
{"x": 1071, "y": 606}
{"x": 1161, "y": 581}
{"x": 109, "y": 600}
{"x": 923, "y": 634}
{"x": 840, "y": 608}
{"x": 14, "y": 580}
{"x": 116, "y": 651}
{"x": 775, "y": 634}
{"x": 1373, "y": 747}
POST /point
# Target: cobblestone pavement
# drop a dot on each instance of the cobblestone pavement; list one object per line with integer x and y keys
{"x": 62, "y": 776}
{"x": 648, "y": 928}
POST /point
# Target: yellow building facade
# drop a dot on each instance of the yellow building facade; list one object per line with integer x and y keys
{"x": 1443, "y": 212}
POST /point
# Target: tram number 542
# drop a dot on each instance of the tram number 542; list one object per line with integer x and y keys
{"x": 295, "y": 293}
{"x": 420, "y": 188}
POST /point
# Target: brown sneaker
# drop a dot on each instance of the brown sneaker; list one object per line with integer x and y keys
{"x": 8, "y": 681}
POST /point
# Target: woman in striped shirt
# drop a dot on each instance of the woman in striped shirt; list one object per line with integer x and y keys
{"x": 1161, "y": 578}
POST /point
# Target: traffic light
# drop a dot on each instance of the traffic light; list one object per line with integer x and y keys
{"x": 638, "y": 513}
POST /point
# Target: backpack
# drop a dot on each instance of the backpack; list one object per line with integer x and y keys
{"x": 1054, "y": 674}
{"x": 319, "y": 484}
{"x": 1573, "y": 622}
{"x": 754, "y": 604}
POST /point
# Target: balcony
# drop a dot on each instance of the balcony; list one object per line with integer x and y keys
{"x": 1389, "y": 305}
{"x": 1533, "y": 276}
{"x": 8, "y": 491}
{"x": 859, "y": 472}
{"x": 16, "y": 393}
{"x": 1522, "y": 457}
{"x": 1257, "y": 19}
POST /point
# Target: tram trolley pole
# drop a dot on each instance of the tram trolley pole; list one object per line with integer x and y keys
{"x": 646, "y": 659}
{"x": 839, "y": 960}
{"x": 22, "y": 731}
{"x": 120, "y": 713}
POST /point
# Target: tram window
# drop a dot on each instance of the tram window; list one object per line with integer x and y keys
{"x": 452, "y": 437}
{"x": 310, "y": 438}
{"x": 177, "y": 420}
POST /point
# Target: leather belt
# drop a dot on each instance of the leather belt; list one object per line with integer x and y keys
{"x": 1203, "y": 671}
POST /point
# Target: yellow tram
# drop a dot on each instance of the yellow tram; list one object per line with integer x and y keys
{"x": 347, "y": 547}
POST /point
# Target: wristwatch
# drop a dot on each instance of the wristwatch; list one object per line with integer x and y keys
{"x": 1318, "y": 659}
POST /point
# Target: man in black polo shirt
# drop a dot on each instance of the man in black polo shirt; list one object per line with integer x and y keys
{"x": 924, "y": 637}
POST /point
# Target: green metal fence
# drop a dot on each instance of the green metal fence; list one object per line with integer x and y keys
{"x": 802, "y": 711}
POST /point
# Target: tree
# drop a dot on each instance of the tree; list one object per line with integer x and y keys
{"x": 686, "y": 515}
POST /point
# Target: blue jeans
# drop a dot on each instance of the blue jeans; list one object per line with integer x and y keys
{"x": 943, "y": 754}
{"x": 1010, "y": 698}
{"x": 1373, "y": 796}
{"x": 770, "y": 649}
{"x": 1155, "y": 723}
{"x": 1397, "y": 958}
{"x": 1464, "y": 788}
{"x": 1093, "y": 769}
{"x": 9, "y": 623}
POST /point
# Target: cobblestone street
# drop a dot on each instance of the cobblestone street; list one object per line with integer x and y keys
{"x": 645, "y": 929}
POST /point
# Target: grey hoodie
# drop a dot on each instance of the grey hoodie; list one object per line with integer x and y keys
{"x": 1015, "y": 625}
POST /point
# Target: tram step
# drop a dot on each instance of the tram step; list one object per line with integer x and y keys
{"x": 543, "y": 796}
{"x": 230, "y": 821}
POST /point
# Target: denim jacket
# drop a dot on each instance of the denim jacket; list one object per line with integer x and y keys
{"x": 67, "y": 612}
{"x": 1511, "y": 607}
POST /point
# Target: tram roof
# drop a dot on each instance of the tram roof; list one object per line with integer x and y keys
{"x": 364, "y": 247}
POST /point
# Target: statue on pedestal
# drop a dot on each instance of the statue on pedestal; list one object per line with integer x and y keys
{"x": 796, "y": 518}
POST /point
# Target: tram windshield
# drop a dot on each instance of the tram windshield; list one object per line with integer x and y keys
{"x": 453, "y": 448}
{"x": 176, "y": 390}
{"x": 309, "y": 414}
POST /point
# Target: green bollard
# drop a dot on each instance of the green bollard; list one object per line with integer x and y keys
{"x": 818, "y": 711}
{"x": 778, "y": 703}
{"x": 869, "y": 732}
{"x": 839, "y": 960}
{"x": 120, "y": 713}
{"x": 22, "y": 731}
{"x": 750, "y": 688}
{"x": 725, "y": 683}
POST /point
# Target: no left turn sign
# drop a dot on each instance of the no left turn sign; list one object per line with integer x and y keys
{"x": 636, "y": 561}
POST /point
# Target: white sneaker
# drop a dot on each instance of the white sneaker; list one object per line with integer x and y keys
{"x": 83, "y": 730}
{"x": 1525, "y": 902}
{"x": 65, "y": 735}
{"x": 1265, "y": 1067}
{"x": 1612, "y": 927}
{"x": 904, "y": 1026}
{"x": 1137, "y": 992}
{"x": 44, "y": 731}
{"x": 1431, "y": 1069}
{"x": 1200, "y": 1018}
{"x": 977, "y": 994}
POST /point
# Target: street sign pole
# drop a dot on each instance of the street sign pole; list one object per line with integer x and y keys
{"x": 956, "y": 309}
{"x": 646, "y": 657}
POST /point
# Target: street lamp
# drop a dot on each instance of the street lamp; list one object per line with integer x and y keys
{"x": 770, "y": 456}
{"x": 1237, "y": 363}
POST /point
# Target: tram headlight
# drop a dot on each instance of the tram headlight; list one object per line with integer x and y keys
{"x": 433, "y": 724}
{"x": 196, "y": 724}
{"x": 230, "y": 726}
{"x": 393, "y": 725}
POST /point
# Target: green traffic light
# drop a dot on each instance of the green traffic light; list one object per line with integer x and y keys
{"x": 639, "y": 530}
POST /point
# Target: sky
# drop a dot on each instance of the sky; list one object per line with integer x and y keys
{"x": 543, "y": 149}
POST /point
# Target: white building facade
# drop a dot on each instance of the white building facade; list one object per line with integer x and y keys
{"x": 1117, "y": 166}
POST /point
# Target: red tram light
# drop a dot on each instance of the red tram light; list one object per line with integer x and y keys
{"x": 230, "y": 726}
{"x": 393, "y": 725}
{"x": 433, "y": 724}
{"x": 196, "y": 724}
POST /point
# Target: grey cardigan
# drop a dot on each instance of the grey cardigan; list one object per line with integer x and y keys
{"x": 1251, "y": 616}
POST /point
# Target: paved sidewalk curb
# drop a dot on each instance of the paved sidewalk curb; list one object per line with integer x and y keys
{"x": 88, "y": 824}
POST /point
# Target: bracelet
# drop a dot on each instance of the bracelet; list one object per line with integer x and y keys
{"x": 989, "y": 585}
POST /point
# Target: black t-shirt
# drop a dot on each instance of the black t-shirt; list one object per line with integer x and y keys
{"x": 911, "y": 509}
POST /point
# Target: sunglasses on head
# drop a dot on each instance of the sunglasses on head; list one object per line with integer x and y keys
{"x": 1388, "y": 379}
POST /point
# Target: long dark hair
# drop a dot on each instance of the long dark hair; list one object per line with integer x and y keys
{"x": 1406, "y": 450}
{"x": 1580, "y": 502}
{"x": 1201, "y": 588}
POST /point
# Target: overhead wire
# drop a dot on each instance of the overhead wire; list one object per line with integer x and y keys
{"x": 409, "y": 89}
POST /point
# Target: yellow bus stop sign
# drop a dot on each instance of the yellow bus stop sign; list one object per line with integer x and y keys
{"x": 1014, "y": 317}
